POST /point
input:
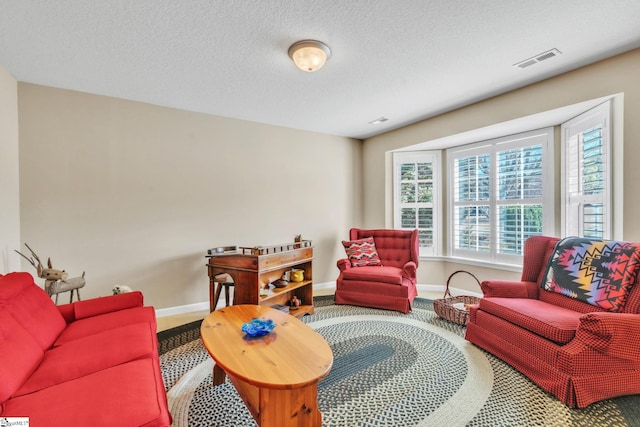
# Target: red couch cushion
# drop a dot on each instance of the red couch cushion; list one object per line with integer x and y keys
{"x": 126, "y": 395}
{"x": 31, "y": 307}
{"x": 20, "y": 355}
{"x": 557, "y": 324}
{"x": 551, "y": 245}
{"x": 566, "y": 302}
{"x": 392, "y": 275}
{"x": 93, "y": 325}
{"x": 88, "y": 355}
{"x": 102, "y": 305}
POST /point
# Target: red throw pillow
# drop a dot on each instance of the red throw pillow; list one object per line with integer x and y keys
{"x": 362, "y": 252}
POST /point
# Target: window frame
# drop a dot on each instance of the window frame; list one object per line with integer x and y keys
{"x": 572, "y": 204}
{"x": 543, "y": 137}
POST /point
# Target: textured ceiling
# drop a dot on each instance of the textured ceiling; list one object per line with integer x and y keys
{"x": 404, "y": 60}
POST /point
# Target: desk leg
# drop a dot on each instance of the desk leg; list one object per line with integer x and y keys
{"x": 218, "y": 375}
{"x": 212, "y": 297}
{"x": 280, "y": 407}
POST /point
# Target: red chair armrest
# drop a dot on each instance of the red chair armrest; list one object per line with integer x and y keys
{"x": 343, "y": 264}
{"x": 509, "y": 289}
{"x": 409, "y": 270}
{"x": 611, "y": 333}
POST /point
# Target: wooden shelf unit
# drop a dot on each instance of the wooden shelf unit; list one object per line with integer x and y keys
{"x": 255, "y": 268}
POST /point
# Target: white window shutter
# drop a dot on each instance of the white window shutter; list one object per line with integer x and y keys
{"x": 416, "y": 197}
{"x": 587, "y": 170}
{"x": 502, "y": 193}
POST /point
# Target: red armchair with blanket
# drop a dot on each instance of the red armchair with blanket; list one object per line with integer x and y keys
{"x": 380, "y": 270}
{"x": 91, "y": 363}
{"x": 571, "y": 323}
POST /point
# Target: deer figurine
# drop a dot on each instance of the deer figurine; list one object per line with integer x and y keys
{"x": 55, "y": 281}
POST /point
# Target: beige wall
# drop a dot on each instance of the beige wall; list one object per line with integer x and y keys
{"x": 9, "y": 185}
{"x": 135, "y": 194}
{"x": 616, "y": 75}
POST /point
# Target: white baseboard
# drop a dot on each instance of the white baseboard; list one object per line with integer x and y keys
{"x": 325, "y": 285}
{"x": 181, "y": 309}
{"x": 441, "y": 288}
{"x": 202, "y": 306}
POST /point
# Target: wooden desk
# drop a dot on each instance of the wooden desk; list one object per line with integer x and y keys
{"x": 255, "y": 268}
{"x": 276, "y": 375}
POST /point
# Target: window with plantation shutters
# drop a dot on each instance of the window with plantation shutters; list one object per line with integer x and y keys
{"x": 471, "y": 212}
{"x": 519, "y": 197}
{"x": 416, "y": 195}
{"x": 501, "y": 194}
{"x": 586, "y": 166}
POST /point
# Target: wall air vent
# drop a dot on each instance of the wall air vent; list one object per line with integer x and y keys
{"x": 538, "y": 58}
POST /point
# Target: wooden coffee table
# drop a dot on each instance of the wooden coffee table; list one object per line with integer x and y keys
{"x": 276, "y": 375}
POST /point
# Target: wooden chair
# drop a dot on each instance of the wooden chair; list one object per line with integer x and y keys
{"x": 222, "y": 280}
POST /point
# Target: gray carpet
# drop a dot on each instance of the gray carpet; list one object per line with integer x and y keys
{"x": 389, "y": 369}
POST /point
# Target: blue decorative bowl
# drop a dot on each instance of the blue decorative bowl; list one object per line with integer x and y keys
{"x": 258, "y": 327}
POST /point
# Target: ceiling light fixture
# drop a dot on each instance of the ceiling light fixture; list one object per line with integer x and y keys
{"x": 309, "y": 55}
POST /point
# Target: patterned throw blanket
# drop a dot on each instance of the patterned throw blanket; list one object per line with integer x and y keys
{"x": 600, "y": 273}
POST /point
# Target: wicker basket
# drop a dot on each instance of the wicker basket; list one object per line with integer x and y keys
{"x": 444, "y": 306}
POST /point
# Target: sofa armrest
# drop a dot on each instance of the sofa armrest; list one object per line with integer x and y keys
{"x": 611, "y": 333}
{"x": 96, "y": 306}
{"x": 343, "y": 264}
{"x": 509, "y": 289}
{"x": 409, "y": 270}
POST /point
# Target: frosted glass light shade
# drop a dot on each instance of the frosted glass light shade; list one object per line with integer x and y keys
{"x": 309, "y": 55}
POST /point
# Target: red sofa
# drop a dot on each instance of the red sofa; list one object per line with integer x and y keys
{"x": 90, "y": 363}
{"x": 390, "y": 285}
{"x": 577, "y": 351}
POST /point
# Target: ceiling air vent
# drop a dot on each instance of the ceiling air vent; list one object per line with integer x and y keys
{"x": 538, "y": 58}
{"x": 378, "y": 121}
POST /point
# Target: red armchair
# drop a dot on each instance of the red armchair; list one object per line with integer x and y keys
{"x": 391, "y": 285}
{"x": 579, "y": 352}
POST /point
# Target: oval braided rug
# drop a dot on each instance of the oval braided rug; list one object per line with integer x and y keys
{"x": 389, "y": 369}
